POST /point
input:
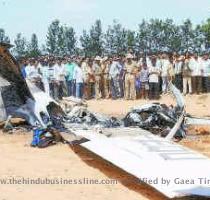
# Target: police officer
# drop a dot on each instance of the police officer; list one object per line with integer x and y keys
{"x": 98, "y": 72}
{"x": 130, "y": 74}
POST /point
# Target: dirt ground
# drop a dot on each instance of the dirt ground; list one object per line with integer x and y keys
{"x": 19, "y": 160}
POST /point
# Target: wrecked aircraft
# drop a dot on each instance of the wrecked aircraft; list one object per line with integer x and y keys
{"x": 23, "y": 99}
{"x": 19, "y": 98}
{"x": 82, "y": 117}
{"x": 159, "y": 119}
{"x": 134, "y": 150}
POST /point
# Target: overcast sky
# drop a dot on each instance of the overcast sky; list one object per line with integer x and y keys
{"x": 29, "y": 16}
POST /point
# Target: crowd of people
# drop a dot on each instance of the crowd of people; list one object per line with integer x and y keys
{"x": 129, "y": 77}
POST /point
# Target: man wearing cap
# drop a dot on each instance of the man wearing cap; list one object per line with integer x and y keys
{"x": 91, "y": 79}
{"x": 84, "y": 67}
{"x": 130, "y": 76}
{"x": 98, "y": 72}
{"x": 105, "y": 76}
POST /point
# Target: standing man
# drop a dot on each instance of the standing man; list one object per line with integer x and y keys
{"x": 84, "y": 67}
{"x": 79, "y": 78}
{"x": 114, "y": 73}
{"x": 187, "y": 79}
{"x": 154, "y": 74}
{"x": 165, "y": 73}
{"x": 91, "y": 80}
{"x": 69, "y": 77}
{"x": 144, "y": 81}
{"x": 45, "y": 76}
{"x": 122, "y": 76}
{"x": 105, "y": 77}
{"x": 130, "y": 77}
{"x": 205, "y": 62}
{"x": 178, "y": 65}
{"x": 52, "y": 81}
{"x": 196, "y": 67}
{"x": 23, "y": 68}
{"x": 98, "y": 73}
{"x": 60, "y": 75}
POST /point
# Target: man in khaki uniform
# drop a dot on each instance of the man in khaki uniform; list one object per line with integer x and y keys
{"x": 130, "y": 76}
{"x": 84, "y": 67}
{"x": 105, "y": 77}
{"x": 98, "y": 73}
{"x": 91, "y": 80}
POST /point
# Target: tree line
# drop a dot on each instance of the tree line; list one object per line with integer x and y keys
{"x": 152, "y": 36}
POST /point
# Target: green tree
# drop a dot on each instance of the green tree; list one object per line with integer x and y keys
{"x": 61, "y": 47}
{"x": 20, "y": 49}
{"x": 142, "y": 37}
{"x": 205, "y": 28}
{"x": 92, "y": 42}
{"x": 199, "y": 39}
{"x": 3, "y": 37}
{"x": 131, "y": 40}
{"x": 52, "y": 38}
{"x": 61, "y": 39}
{"x": 33, "y": 47}
{"x": 70, "y": 40}
{"x": 170, "y": 36}
{"x": 86, "y": 44}
{"x": 186, "y": 30}
{"x": 116, "y": 39}
{"x": 96, "y": 37}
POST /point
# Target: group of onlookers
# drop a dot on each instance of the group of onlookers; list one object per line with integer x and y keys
{"x": 128, "y": 77}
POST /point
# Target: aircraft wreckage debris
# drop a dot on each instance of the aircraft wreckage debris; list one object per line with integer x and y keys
{"x": 135, "y": 150}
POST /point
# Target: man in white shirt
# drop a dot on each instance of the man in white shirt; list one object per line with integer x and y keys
{"x": 52, "y": 80}
{"x": 196, "y": 67}
{"x": 44, "y": 68}
{"x": 79, "y": 77}
{"x": 154, "y": 73}
{"x": 205, "y": 62}
{"x": 114, "y": 73}
{"x": 60, "y": 74}
{"x": 33, "y": 73}
{"x": 178, "y": 66}
{"x": 165, "y": 73}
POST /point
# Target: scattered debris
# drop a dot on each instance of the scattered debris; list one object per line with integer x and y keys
{"x": 43, "y": 138}
{"x": 131, "y": 147}
{"x": 81, "y": 116}
{"x": 68, "y": 103}
{"x": 159, "y": 119}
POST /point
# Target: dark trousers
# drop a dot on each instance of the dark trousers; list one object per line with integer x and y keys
{"x": 70, "y": 88}
{"x": 179, "y": 82}
{"x": 91, "y": 88}
{"x": 115, "y": 88}
{"x": 196, "y": 84}
{"x": 121, "y": 82}
{"x": 154, "y": 91}
{"x": 62, "y": 90}
{"x": 79, "y": 90}
{"x": 206, "y": 84}
{"x": 54, "y": 90}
